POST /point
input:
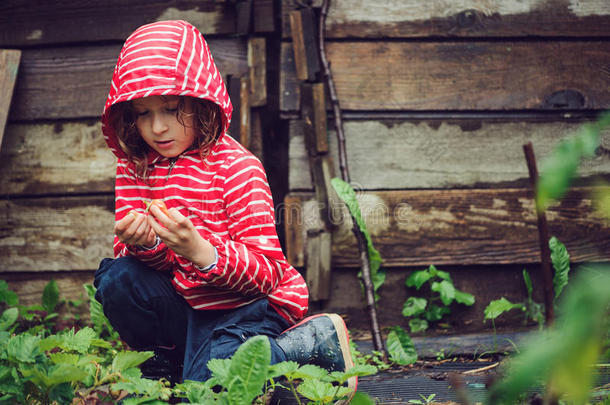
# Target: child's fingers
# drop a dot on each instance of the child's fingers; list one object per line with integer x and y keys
{"x": 160, "y": 216}
{"x": 158, "y": 228}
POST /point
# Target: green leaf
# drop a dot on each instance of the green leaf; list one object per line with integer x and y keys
{"x": 250, "y": 363}
{"x": 497, "y": 307}
{"x": 220, "y": 369}
{"x": 414, "y": 306}
{"x": 561, "y": 166}
{"x": 308, "y": 371}
{"x": 418, "y": 278}
{"x": 50, "y": 296}
{"x": 348, "y": 195}
{"x": 400, "y": 347}
{"x": 445, "y": 289}
{"x": 417, "y": 325}
{"x": 434, "y": 272}
{"x": 62, "y": 393}
{"x": 9, "y": 317}
{"x": 564, "y": 355}
{"x": 283, "y": 368}
{"x": 321, "y": 392}
{"x": 99, "y": 320}
{"x": 464, "y": 297}
{"x": 359, "y": 370}
{"x": 6, "y": 295}
{"x": 528, "y": 284}
{"x": 23, "y": 348}
{"x": 561, "y": 262}
{"x": 435, "y": 313}
{"x": 361, "y": 398}
{"x": 128, "y": 359}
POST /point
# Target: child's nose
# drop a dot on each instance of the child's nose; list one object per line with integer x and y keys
{"x": 159, "y": 124}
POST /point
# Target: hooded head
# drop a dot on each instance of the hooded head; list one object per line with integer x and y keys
{"x": 160, "y": 59}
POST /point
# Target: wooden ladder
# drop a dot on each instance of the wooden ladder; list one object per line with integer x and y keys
{"x": 9, "y": 65}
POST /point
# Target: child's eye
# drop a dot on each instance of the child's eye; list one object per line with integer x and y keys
{"x": 172, "y": 110}
{"x": 141, "y": 113}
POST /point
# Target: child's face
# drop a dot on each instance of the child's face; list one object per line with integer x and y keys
{"x": 158, "y": 126}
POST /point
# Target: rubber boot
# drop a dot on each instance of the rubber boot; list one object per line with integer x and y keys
{"x": 321, "y": 340}
{"x": 166, "y": 363}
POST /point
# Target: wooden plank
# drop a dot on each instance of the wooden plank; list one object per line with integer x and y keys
{"x": 469, "y": 18}
{"x": 244, "y": 113}
{"x": 243, "y": 20}
{"x": 264, "y": 16}
{"x": 9, "y": 65}
{"x": 61, "y": 158}
{"x": 305, "y": 45}
{"x": 257, "y": 65}
{"x": 69, "y": 21}
{"x": 313, "y": 115}
{"x": 53, "y": 234}
{"x": 465, "y": 227}
{"x": 318, "y": 247}
{"x": 29, "y": 286}
{"x": 73, "y": 82}
{"x": 291, "y": 214}
{"x": 461, "y": 75}
{"x": 398, "y": 154}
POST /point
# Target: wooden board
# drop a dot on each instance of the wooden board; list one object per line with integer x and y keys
{"x": 9, "y": 65}
{"x": 469, "y": 18}
{"x": 460, "y": 227}
{"x": 73, "y": 82}
{"x": 52, "y": 234}
{"x": 399, "y": 154}
{"x": 461, "y": 76}
{"x": 61, "y": 158}
{"x": 61, "y": 21}
{"x": 29, "y": 286}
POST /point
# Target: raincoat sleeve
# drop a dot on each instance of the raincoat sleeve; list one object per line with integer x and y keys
{"x": 127, "y": 198}
{"x": 250, "y": 258}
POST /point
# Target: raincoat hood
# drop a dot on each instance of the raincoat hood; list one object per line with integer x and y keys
{"x": 165, "y": 58}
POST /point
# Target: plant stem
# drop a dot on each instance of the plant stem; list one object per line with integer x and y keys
{"x": 294, "y": 392}
{"x": 543, "y": 232}
{"x": 362, "y": 245}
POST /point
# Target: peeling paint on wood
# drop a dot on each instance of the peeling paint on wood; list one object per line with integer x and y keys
{"x": 53, "y": 234}
{"x": 414, "y": 18}
{"x": 439, "y": 154}
{"x": 464, "y": 227}
{"x": 61, "y": 158}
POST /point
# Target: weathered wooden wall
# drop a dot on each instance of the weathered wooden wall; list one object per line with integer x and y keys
{"x": 56, "y": 188}
{"x": 438, "y": 99}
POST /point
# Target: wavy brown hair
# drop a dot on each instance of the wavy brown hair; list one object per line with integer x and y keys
{"x": 207, "y": 121}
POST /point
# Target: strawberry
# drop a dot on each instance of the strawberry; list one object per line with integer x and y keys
{"x": 158, "y": 203}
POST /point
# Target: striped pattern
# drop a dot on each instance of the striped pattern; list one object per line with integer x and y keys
{"x": 226, "y": 195}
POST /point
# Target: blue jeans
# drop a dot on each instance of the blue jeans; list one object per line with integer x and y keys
{"x": 143, "y": 307}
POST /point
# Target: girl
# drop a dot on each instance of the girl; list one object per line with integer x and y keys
{"x": 197, "y": 280}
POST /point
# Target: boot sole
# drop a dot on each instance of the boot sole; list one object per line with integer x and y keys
{"x": 343, "y": 335}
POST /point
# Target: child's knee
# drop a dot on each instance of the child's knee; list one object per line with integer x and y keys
{"x": 113, "y": 276}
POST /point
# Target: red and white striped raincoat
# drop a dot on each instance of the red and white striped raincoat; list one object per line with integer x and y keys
{"x": 226, "y": 195}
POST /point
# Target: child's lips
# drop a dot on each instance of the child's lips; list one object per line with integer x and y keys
{"x": 165, "y": 144}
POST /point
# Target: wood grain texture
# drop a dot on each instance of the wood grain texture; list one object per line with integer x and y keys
{"x": 257, "y": 66}
{"x": 469, "y": 18}
{"x": 61, "y": 158}
{"x": 9, "y": 65}
{"x": 398, "y": 154}
{"x": 53, "y": 234}
{"x": 71, "y": 21}
{"x": 464, "y": 227}
{"x": 73, "y": 82}
{"x": 460, "y": 76}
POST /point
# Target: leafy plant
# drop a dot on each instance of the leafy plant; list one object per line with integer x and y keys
{"x": 442, "y": 293}
{"x": 348, "y": 195}
{"x": 533, "y": 310}
{"x": 400, "y": 347}
{"x": 561, "y": 357}
{"x": 425, "y": 400}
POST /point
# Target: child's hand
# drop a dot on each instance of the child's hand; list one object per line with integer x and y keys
{"x": 134, "y": 229}
{"x": 181, "y": 236}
